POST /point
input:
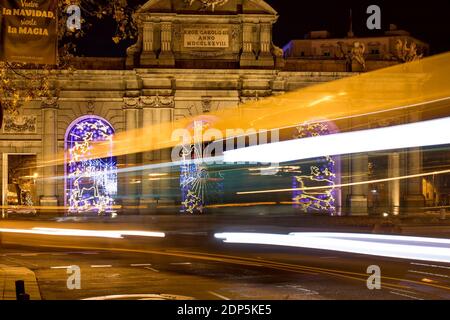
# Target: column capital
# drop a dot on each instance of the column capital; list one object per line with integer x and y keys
{"x": 166, "y": 102}
{"x": 50, "y": 103}
{"x": 130, "y": 103}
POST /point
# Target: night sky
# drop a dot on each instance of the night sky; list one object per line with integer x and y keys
{"x": 427, "y": 20}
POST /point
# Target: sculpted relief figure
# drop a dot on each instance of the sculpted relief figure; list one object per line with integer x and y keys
{"x": 358, "y": 51}
{"x": 277, "y": 51}
{"x": 345, "y": 53}
{"x": 278, "y": 54}
{"x": 405, "y": 53}
{"x": 206, "y": 4}
{"x": 352, "y": 54}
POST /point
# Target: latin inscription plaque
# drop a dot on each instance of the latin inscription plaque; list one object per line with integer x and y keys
{"x": 201, "y": 37}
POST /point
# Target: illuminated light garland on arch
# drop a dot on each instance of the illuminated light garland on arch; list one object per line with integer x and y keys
{"x": 91, "y": 184}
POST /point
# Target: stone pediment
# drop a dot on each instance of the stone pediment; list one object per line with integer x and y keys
{"x": 204, "y": 34}
{"x": 207, "y": 6}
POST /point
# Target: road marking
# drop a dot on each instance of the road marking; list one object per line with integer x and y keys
{"x": 218, "y": 295}
{"x": 405, "y": 295}
{"x": 181, "y": 263}
{"x": 298, "y": 288}
{"x": 429, "y": 265}
{"x": 29, "y": 255}
{"x": 152, "y": 269}
{"x": 140, "y": 264}
{"x": 429, "y": 273}
{"x": 102, "y": 266}
{"x": 403, "y": 290}
{"x": 61, "y": 267}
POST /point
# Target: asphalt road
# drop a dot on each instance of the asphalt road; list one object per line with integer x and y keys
{"x": 189, "y": 263}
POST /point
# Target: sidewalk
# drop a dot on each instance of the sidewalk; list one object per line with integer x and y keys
{"x": 8, "y": 277}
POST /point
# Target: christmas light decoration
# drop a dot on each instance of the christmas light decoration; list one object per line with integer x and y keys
{"x": 198, "y": 185}
{"x": 91, "y": 183}
{"x": 322, "y": 173}
{"x": 189, "y": 180}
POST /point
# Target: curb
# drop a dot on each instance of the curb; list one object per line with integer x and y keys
{"x": 8, "y": 277}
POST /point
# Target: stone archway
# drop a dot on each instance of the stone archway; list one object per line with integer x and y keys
{"x": 90, "y": 184}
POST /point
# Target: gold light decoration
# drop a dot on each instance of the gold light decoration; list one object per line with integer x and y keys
{"x": 322, "y": 173}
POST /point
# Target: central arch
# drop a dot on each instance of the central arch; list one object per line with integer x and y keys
{"x": 90, "y": 184}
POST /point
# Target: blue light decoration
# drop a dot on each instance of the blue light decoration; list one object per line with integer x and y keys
{"x": 321, "y": 174}
{"x": 91, "y": 184}
{"x": 192, "y": 199}
{"x": 199, "y": 184}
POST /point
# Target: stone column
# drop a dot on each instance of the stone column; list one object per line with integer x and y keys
{"x": 148, "y": 186}
{"x": 265, "y": 37}
{"x": 148, "y": 56}
{"x": 166, "y": 57}
{"x": 359, "y": 173}
{"x": 131, "y": 180}
{"x": 156, "y": 110}
{"x": 248, "y": 58}
{"x": 166, "y": 116}
{"x": 50, "y": 150}
{"x": 166, "y": 106}
{"x": 266, "y": 58}
{"x": 414, "y": 200}
{"x": 394, "y": 185}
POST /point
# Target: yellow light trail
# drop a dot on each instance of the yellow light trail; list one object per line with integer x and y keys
{"x": 402, "y": 86}
{"x": 113, "y": 234}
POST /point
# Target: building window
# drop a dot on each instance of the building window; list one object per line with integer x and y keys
{"x": 91, "y": 184}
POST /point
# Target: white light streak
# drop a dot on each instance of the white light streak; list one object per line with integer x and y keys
{"x": 113, "y": 234}
{"x": 420, "y": 134}
{"x": 402, "y": 247}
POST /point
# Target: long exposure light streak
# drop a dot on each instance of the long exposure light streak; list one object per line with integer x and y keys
{"x": 113, "y": 234}
{"x": 420, "y": 134}
{"x": 402, "y": 247}
{"x": 412, "y": 176}
{"x": 368, "y": 93}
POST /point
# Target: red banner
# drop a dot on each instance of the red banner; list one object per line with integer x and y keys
{"x": 29, "y": 31}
